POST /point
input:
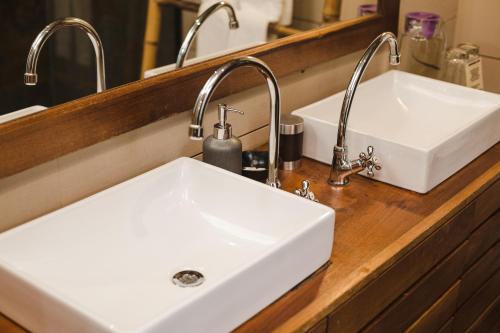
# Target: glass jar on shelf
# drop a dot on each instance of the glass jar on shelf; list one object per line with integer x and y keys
{"x": 422, "y": 44}
{"x": 454, "y": 68}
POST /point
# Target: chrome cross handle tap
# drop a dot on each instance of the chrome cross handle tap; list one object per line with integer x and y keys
{"x": 339, "y": 175}
{"x": 305, "y": 191}
{"x": 369, "y": 161}
{"x": 342, "y": 167}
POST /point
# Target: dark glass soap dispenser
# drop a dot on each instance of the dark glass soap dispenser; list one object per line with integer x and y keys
{"x": 222, "y": 149}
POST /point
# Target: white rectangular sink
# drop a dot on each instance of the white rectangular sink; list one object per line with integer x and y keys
{"x": 105, "y": 264}
{"x": 423, "y": 130}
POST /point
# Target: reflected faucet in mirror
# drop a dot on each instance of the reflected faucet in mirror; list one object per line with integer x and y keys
{"x": 342, "y": 167}
{"x": 196, "y": 127}
{"x": 186, "y": 44}
{"x": 31, "y": 77}
{"x": 148, "y": 46}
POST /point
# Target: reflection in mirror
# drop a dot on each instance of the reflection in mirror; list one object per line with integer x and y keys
{"x": 310, "y": 14}
{"x": 186, "y": 44}
{"x": 66, "y": 65}
{"x": 31, "y": 77}
{"x": 141, "y": 38}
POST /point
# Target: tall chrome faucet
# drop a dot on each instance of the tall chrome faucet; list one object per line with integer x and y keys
{"x": 31, "y": 78}
{"x": 186, "y": 44}
{"x": 196, "y": 128}
{"x": 342, "y": 167}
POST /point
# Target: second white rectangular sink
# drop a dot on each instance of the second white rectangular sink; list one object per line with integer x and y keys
{"x": 423, "y": 130}
{"x": 106, "y": 263}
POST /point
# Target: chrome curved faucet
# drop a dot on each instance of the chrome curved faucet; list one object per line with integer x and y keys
{"x": 31, "y": 78}
{"x": 342, "y": 167}
{"x": 196, "y": 127}
{"x": 186, "y": 44}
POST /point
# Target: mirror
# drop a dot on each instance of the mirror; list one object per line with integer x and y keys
{"x": 141, "y": 38}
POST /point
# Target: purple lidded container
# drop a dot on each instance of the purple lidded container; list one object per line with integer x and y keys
{"x": 367, "y": 10}
{"x": 426, "y": 22}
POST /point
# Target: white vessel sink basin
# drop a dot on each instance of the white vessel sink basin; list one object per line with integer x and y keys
{"x": 105, "y": 264}
{"x": 21, "y": 113}
{"x": 423, "y": 130}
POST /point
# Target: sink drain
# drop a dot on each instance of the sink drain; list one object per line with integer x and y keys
{"x": 188, "y": 278}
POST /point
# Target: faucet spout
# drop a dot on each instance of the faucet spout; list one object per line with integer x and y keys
{"x": 31, "y": 77}
{"x": 186, "y": 44}
{"x": 196, "y": 127}
{"x": 342, "y": 167}
{"x": 358, "y": 74}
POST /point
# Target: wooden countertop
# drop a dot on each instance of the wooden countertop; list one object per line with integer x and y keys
{"x": 376, "y": 224}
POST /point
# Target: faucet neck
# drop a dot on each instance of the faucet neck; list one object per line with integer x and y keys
{"x": 186, "y": 44}
{"x": 358, "y": 74}
{"x": 196, "y": 128}
{"x": 31, "y": 78}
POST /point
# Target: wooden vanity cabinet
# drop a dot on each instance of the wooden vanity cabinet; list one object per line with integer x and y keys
{"x": 450, "y": 282}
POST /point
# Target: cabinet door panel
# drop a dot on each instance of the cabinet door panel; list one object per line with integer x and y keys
{"x": 422, "y": 296}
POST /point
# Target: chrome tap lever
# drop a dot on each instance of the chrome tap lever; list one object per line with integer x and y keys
{"x": 305, "y": 191}
{"x": 370, "y": 161}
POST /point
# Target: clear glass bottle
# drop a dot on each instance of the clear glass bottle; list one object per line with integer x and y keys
{"x": 454, "y": 68}
{"x": 422, "y": 44}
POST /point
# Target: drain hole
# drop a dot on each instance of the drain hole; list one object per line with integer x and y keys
{"x": 188, "y": 278}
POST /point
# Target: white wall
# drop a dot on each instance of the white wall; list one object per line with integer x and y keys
{"x": 479, "y": 22}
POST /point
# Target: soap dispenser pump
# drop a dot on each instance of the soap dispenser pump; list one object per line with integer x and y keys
{"x": 222, "y": 149}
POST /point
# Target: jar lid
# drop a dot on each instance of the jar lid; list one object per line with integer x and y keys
{"x": 470, "y": 48}
{"x": 291, "y": 124}
{"x": 456, "y": 54}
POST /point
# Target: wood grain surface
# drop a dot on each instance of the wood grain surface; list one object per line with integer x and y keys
{"x": 477, "y": 304}
{"x": 422, "y": 296}
{"x": 437, "y": 315}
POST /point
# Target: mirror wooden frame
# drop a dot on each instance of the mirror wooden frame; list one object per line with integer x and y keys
{"x": 32, "y": 140}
